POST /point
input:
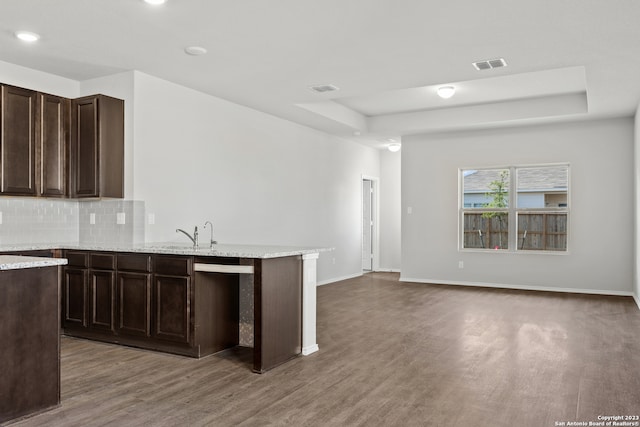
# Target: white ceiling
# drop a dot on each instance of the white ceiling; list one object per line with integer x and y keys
{"x": 567, "y": 60}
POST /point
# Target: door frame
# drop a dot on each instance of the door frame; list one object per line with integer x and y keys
{"x": 375, "y": 208}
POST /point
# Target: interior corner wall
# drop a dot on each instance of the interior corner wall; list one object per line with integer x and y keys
{"x": 390, "y": 211}
{"x": 28, "y": 78}
{"x": 600, "y": 257}
{"x": 258, "y": 178}
{"x": 120, "y": 86}
{"x": 636, "y": 216}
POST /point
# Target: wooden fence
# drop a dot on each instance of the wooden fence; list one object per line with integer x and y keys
{"x": 544, "y": 231}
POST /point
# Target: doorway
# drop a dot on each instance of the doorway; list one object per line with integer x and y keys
{"x": 369, "y": 223}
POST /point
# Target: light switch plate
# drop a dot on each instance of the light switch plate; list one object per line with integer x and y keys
{"x": 151, "y": 219}
{"x": 120, "y": 218}
{"x": 92, "y": 218}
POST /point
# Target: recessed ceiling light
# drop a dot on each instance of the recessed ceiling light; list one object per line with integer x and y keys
{"x": 446, "y": 91}
{"x": 155, "y": 2}
{"x": 195, "y": 50}
{"x": 27, "y": 36}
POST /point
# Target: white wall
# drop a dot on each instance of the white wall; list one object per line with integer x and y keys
{"x": 601, "y": 240}
{"x": 390, "y": 210}
{"x": 258, "y": 178}
{"x": 37, "y": 80}
{"x": 192, "y": 157}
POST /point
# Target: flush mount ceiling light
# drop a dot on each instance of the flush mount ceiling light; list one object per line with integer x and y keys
{"x": 324, "y": 88}
{"x": 490, "y": 64}
{"x": 27, "y": 36}
{"x": 394, "y": 147}
{"x": 446, "y": 92}
{"x": 155, "y": 2}
{"x": 195, "y": 50}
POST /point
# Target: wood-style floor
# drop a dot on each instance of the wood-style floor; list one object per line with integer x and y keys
{"x": 391, "y": 354}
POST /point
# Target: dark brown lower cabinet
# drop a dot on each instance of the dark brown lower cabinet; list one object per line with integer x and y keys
{"x": 74, "y": 294}
{"x": 102, "y": 300}
{"x": 118, "y": 297}
{"x": 173, "y": 303}
{"x": 134, "y": 304}
{"x": 172, "y": 308}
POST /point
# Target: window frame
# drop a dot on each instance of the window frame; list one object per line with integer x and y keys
{"x": 513, "y": 211}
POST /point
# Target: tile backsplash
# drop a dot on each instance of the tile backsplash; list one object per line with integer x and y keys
{"x": 32, "y": 220}
{"x": 27, "y": 220}
{"x": 111, "y": 222}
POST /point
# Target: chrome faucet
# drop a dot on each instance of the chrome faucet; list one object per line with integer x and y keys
{"x": 194, "y": 239}
{"x": 211, "y": 242}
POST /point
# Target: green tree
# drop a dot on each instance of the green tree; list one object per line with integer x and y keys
{"x": 499, "y": 194}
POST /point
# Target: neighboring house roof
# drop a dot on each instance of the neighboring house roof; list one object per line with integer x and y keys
{"x": 529, "y": 179}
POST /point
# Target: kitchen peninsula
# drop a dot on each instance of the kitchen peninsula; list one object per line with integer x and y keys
{"x": 30, "y": 335}
{"x": 182, "y": 300}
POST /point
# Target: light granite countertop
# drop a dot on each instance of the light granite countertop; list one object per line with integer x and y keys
{"x": 218, "y": 250}
{"x": 14, "y": 262}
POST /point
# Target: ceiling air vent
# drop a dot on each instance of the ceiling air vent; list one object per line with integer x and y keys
{"x": 490, "y": 64}
{"x": 323, "y": 88}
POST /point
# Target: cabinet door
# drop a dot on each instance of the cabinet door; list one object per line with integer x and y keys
{"x": 97, "y": 147}
{"x": 172, "y": 308}
{"x": 54, "y": 112}
{"x": 134, "y": 304}
{"x": 75, "y": 298}
{"x": 102, "y": 300}
{"x": 17, "y": 141}
{"x": 84, "y": 147}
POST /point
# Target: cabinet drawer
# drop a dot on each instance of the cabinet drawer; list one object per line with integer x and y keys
{"x": 134, "y": 262}
{"x": 174, "y": 265}
{"x": 101, "y": 261}
{"x": 77, "y": 259}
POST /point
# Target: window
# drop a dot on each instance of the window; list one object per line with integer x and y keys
{"x": 517, "y": 208}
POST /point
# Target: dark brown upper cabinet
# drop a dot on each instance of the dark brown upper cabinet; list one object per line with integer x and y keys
{"x": 17, "y": 141}
{"x": 97, "y": 147}
{"x": 53, "y": 137}
{"x": 52, "y": 146}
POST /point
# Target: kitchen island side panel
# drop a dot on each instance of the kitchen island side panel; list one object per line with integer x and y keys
{"x": 278, "y": 311}
{"x": 30, "y": 337}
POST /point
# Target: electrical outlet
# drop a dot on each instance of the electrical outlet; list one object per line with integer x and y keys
{"x": 92, "y": 218}
{"x": 151, "y": 219}
{"x": 460, "y": 264}
{"x": 120, "y": 218}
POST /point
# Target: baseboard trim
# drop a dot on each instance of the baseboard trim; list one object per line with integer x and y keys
{"x": 521, "y": 287}
{"x": 388, "y": 270}
{"x": 338, "y": 279}
{"x": 310, "y": 349}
